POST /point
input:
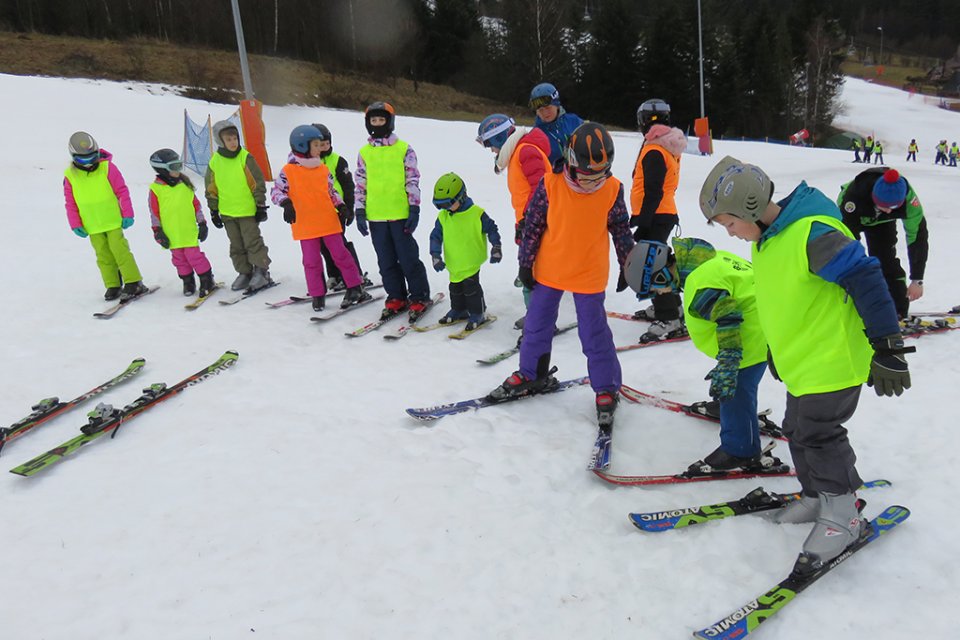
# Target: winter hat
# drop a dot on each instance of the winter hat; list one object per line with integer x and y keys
{"x": 890, "y": 190}
{"x": 690, "y": 254}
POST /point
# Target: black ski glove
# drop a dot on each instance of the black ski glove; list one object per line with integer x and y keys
{"x": 202, "y": 231}
{"x": 161, "y": 237}
{"x": 261, "y": 214}
{"x": 346, "y": 215}
{"x": 289, "y": 213}
{"x": 889, "y": 375}
{"x": 496, "y": 254}
{"x": 621, "y": 282}
{"x": 216, "y": 219}
{"x": 525, "y": 276}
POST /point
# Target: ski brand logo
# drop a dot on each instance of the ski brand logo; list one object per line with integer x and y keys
{"x": 664, "y": 515}
{"x": 732, "y": 619}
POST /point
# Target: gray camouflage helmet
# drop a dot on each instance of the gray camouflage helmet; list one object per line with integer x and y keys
{"x": 739, "y": 189}
{"x": 82, "y": 144}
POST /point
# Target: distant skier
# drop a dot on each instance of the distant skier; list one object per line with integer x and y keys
{"x": 877, "y": 152}
{"x": 868, "y": 149}
{"x": 856, "y": 145}
{"x": 953, "y": 153}
{"x": 98, "y": 205}
{"x": 553, "y": 119}
{"x": 912, "y": 149}
{"x": 178, "y": 222}
{"x": 941, "y": 153}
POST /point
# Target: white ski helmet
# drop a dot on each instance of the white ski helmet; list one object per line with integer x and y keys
{"x": 739, "y": 189}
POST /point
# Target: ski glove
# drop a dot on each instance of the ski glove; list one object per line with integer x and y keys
{"x": 362, "y": 222}
{"x": 412, "y": 220}
{"x": 438, "y": 263}
{"x": 518, "y": 232}
{"x": 345, "y": 214}
{"x": 126, "y": 223}
{"x": 496, "y": 254}
{"x": 889, "y": 375}
{"x": 289, "y": 213}
{"x": 525, "y": 276}
{"x": 161, "y": 237}
{"x": 621, "y": 281}
{"x": 80, "y": 231}
{"x": 202, "y": 231}
{"x": 215, "y": 219}
{"x": 723, "y": 377}
{"x": 261, "y": 214}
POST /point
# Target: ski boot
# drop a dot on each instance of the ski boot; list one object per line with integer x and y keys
{"x": 260, "y": 279}
{"x": 318, "y": 303}
{"x": 474, "y": 322}
{"x": 189, "y": 285}
{"x": 838, "y": 525}
{"x": 801, "y": 511}
{"x": 709, "y": 408}
{"x": 112, "y": 293}
{"x": 664, "y": 330}
{"x": 242, "y": 282}
{"x": 645, "y": 314}
{"x": 354, "y": 296}
{"x": 132, "y": 290}
{"x": 207, "y": 285}
{"x": 719, "y": 461}
{"x": 335, "y": 284}
{"x": 392, "y": 307}
{"x": 519, "y": 322}
{"x": 452, "y": 317}
{"x": 518, "y": 385}
{"x": 606, "y": 407}
{"x": 367, "y": 282}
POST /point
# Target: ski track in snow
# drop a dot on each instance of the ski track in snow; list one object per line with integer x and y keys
{"x": 291, "y": 497}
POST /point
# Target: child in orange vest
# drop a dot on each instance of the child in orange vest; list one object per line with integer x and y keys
{"x": 316, "y": 212}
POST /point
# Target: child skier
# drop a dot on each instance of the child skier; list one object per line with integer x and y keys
{"x": 388, "y": 209}
{"x": 565, "y": 248}
{"x": 720, "y": 306}
{"x": 343, "y": 183}
{"x": 236, "y": 195}
{"x": 315, "y": 211}
{"x": 553, "y": 119}
{"x": 98, "y": 205}
{"x": 912, "y": 149}
{"x": 877, "y": 152}
{"x": 178, "y": 222}
{"x": 457, "y": 244}
{"x": 953, "y": 153}
{"x": 830, "y": 325}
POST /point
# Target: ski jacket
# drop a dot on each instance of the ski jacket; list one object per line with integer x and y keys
{"x": 395, "y": 181}
{"x": 235, "y": 186}
{"x": 526, "y": 157}
{"x": 309, "y": 186}
{"x": 460, "y": 237}
{"x": 96, "y": 200}
{"x": 558, "y": 132}
{"x": 176, "y": 209}
{"x": 859, "y": 211}
{"x": 342, "y": 178}
{"x": 656, "y": 175}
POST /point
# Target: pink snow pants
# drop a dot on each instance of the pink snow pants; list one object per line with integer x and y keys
{"x": 313, "y": 263}
{"x": 188, "y": 260}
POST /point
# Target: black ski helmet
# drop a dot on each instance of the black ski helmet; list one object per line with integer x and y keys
{"x": 651, "y": 112}
{"x": 384, "y": 109}
{"x": 164, "y": 161}
{"x": 590, "y": 149}
{"x": 324, "y": 132}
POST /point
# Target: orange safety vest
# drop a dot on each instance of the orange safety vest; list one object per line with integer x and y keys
{"x": 520, "y": 189}
{"x": 668, "y": 203}
{"x": 308, "y": 188}
{"x": 574, "y": 253}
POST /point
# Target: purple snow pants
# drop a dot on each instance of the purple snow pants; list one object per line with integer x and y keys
{"x": 313, "y": 263}
{"x": 596, "y": 339}
{"x": 188, "y": 260}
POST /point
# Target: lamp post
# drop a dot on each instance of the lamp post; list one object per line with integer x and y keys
{"x": 880, "y": 29}
{"x": 703, "y": 112}
{"x": 242, "y": 47}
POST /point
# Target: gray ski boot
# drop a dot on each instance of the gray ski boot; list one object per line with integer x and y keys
{"x": 801, "y": 511}
{"x": 260, "y": 279}
{"x": 838, "y": 525}
{"x": 241, "y": 283}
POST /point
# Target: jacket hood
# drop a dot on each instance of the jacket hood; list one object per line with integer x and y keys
{"x": 670, "y": 138}
{"x": 803, "y": 202}
{"x": 690, "y": 253}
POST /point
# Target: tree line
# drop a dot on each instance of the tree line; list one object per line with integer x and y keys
{"x": 770, "y": 67}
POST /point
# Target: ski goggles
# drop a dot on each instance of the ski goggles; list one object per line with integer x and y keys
{"x": 173, "y": 165}
{"x": 87, "y": 159}
{"x": 485, "y": 137}
{"x": 543, "y": 101}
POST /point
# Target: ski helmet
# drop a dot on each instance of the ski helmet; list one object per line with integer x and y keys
{"x": 220, "y": 128}
{"x": 590, "y": 149}
{"x": 651, "y": 112}
{"x": 648, "y": 267}
{"x": 301, "y": 136}
{"x": 448, "y": 191}
{"x": 324, "y": 132}
{"x": 384, "y": 109}
{"x": 739, "y": 189}
{"x": 83, "y": 148}
{"x": 494, "y": 130}
{"x": 544, "y": 94}
{"x": 164, "y": 161}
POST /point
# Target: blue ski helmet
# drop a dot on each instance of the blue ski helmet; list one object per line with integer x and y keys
{"x": 301, "y": 136}
{"x": 544, "y": 94}
{"x": 494, "y": 130}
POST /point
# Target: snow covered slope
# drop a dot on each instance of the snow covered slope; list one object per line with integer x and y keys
{"x": 291, "y": 497}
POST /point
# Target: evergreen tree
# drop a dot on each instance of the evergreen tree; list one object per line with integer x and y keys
{"x": 610, "y": 83}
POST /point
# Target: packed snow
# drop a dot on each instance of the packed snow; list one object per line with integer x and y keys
{"x": 292, "y": 497}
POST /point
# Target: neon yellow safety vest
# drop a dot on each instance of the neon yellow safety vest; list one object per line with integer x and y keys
{"x": 233, "y": 191}
{"x": 332, "y": 161}
{"x": 178, "y": 218}
{"x": 386, "y": 181}
{"x": 98, "y": 204}
{"x": 734, "y": 275}
{"x": 813, "y": 328}
{"x": 464, "y": 245}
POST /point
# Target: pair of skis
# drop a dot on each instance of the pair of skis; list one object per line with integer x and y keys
{"x": 307, "y": 298}
{"x": 746, "y": 619}
{"x": 106, "y": 419}
{"x": 248, "y": 293}
{"x": 112, "y": 311}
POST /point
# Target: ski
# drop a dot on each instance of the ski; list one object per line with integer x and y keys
{"x": 192, "y": 306}
{"x": 503, "y": 355}
{"x": 339, "y": 311}
{"x": 413, "y": 317}
{"x": 437, "y": 325}
{"x": 109, "y": 313}
{"x": 682, "y": 478}
{"x": 249, "y": 293}
{"x": 747, "y": 618}
{"x": 106, "y": 419}
{"x": 49, "y": 408}
{"x": 919, "y": 327}
{"x": 768, "y": 427}
{"x": 439, "y": 411}
{"x": 466, "y": 333}
{"x": 643, "y": 345}
{"x": 754, "y": 502}
{"x": 625, "y": 316}
{"x": 600, "y": 456}
{"x": 308, "y": 298}
{"x": 937, "y": 314}
{"x": 385, "y": 317}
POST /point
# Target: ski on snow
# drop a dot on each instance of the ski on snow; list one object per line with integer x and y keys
{"x": 109, "y": 313}
{"x": 385, "y": 317}
{"x": 503, "y": 355}
{"x": 413, "y": 318}
{"x": 193, "y": 306}
{"x": 756, "y": 501}
{"x": 49, "y": 408}
{"x": 439, "y": 411}
{"x": 307, "y": 298}
{"x": 747, "y": 618}
{"x": 249, "y": 293}
{"x": 107, "y": 419}
{"x": 466, "y": 333}
{"x": 339, "y": 311}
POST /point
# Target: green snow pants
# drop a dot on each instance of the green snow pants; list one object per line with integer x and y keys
{"x": 114, "y": 258}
